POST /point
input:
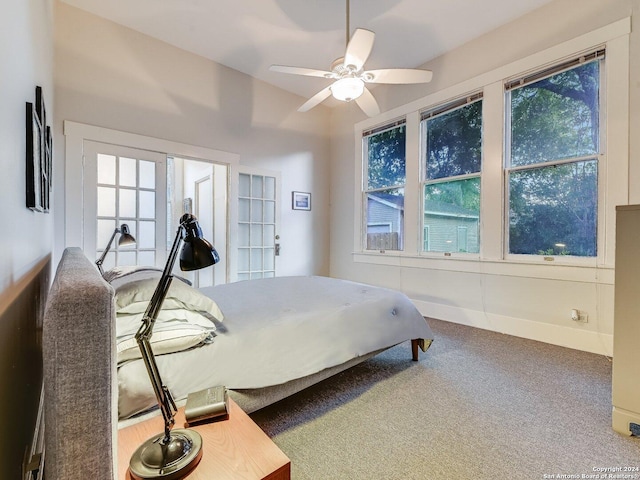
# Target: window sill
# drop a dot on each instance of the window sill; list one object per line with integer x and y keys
{"x": 574, "y": 270}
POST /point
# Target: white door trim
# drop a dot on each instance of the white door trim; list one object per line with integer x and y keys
{"x": 75, "y": 135}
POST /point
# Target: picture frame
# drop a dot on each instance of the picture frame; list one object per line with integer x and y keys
{"x": 39, "y": 155}
{"x": 300, "y": 201}
{"x": 33, "y": 159}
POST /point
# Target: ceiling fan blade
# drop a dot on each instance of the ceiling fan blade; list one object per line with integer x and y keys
{"x": 359, "y": 48}
{"x": 310, "y": 72}
{"x": 398, "y": 75}
{"x": 316, "y": 99}
{"x": 368, "y": 103}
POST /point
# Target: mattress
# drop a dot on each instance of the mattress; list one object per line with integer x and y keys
{"x": 275, "y": 331}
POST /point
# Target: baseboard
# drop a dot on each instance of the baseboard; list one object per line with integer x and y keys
{"x": 578, "y": 339}
{"x": 620, "y": 420}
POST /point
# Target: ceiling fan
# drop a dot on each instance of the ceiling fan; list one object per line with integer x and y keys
{"x": 350, "y": 76}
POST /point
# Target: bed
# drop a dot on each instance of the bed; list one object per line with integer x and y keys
{"x": 265, "y": 340}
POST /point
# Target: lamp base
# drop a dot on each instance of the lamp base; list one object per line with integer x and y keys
{"x": 170, "y": 460}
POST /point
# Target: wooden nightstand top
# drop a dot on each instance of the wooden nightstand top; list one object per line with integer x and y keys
{"x": 233, "y": 449}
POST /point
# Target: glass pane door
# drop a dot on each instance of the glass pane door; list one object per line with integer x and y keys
{"x": 124, "y": 186}
{"x": 256, "y": 226}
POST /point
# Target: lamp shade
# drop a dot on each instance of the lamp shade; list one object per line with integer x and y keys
{"x": 347, "y": 89}
{"x": 125, "y": 236}
{"x": 196, "y": 252}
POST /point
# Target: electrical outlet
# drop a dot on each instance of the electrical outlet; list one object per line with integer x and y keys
{"x": 578, "y": 316}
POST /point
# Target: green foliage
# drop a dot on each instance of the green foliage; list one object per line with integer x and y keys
{"x": 464, "y": 194}
{"x": 553, "y": 119}
{"x": 386, "y": 158}
{"x": 454, "y": 142}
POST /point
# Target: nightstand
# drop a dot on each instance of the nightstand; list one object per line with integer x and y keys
{"x": 233, "y": 449}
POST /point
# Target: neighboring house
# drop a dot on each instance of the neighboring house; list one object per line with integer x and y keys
{"x": 384, "y": 221}
{"x": 450, "y": 228}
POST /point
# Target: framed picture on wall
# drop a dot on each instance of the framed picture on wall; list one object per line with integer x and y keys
{"x": 300, "y": 201}
{"x": 34, "y": 159}
{"x": 39, "y": 143}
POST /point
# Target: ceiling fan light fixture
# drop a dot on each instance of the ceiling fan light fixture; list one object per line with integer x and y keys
{"x": 347, "y": 89}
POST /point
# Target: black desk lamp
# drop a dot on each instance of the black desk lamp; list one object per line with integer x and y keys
{"x": 125, "y": 239}
{"x": 172, "y": 454}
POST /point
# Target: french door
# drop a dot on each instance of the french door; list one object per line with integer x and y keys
{"x": 258, "y": 218}
{"x": 123, "y": 185}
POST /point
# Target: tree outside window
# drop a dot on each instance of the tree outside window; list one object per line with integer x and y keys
{"x": 552, "y": 173}
{"x": 452, "y": 166}
{"x": 384, "y": 190}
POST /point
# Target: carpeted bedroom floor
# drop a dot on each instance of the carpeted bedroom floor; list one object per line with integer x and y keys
{"x": 478, "y": 405}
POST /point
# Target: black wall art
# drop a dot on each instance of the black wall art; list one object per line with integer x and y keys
{"x": 39, "y": 155}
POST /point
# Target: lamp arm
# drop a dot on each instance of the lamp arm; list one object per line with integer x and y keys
{"x": 106, "y": 250}
{"x": 143, "y": 335}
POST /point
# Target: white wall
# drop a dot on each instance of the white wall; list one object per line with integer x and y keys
{"x": 26, "y": 60}
{"x": 530, "y": 301}
{"x": 110, "y": 76}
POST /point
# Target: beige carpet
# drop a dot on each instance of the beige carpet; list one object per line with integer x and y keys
{"x": 478, "y": 405}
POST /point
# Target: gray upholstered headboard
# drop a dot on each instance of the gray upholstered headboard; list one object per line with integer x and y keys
{"x": 79, "y": 372}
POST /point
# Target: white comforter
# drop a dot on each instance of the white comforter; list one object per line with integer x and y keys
{"x": 277, "y": 330}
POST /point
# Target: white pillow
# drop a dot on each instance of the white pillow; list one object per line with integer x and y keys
{"x": 128, "y": 324}
{"x": 124, "y": 270}
{"x": 134, "y": 291}
{"x": 165, "y": 341}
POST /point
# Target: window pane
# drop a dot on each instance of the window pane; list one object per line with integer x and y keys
{"x": 128, "y": 172}
{"x": 147, "y": 236}
{"x": 256, "y": 235}
{"x": 105, "y": 230}
{"x": 243, "y": 260}
{"x": 127, "y": 204}
{"x": 243, "y": 234}
{"x": 556, "y": 117}
{"x": 106, "y": 169}
{"x": 147, "y": 204}
{"x": 452, "y": 216}
{"x": 386, "y": 158}
{"x": 553, "y": 210}
{"x": 256, "y": 186}
{"x": 244, "y": 186}
{"x": 385, "y": 219}
{"x": 454, "y": 142}
{"x": 270, "y": 188}
{"x": 256, "y": 259}
{"x": 243, "y": 210}
{"x": 256, "y": 210}
{"x": 269, "y": 259}
{"x": 106, "y": 202}
{"x": 147, "y": 174}
{"x": 269, "y": 212}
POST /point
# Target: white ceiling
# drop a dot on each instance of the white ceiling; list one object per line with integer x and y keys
{"x": 251, "y": 35}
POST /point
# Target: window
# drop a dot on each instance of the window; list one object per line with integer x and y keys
{"x": 385, "y": 177}
{"x": 452, "y": 136}
{"x": 553, "y": 149}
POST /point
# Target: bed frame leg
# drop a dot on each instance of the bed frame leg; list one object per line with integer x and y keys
{"x": 414, "y": 349}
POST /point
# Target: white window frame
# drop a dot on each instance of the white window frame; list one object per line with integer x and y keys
{"x": 448, "y": 107}
{"x": 363, "y": 188}
{"x": 599, "y": 156}
{"x": 613, "y": 182}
